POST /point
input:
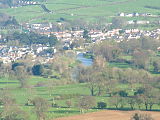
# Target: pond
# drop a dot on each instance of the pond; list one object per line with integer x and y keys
{"x": 85, "y": 61}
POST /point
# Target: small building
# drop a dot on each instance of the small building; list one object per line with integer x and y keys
{"x": 122, "y": 14}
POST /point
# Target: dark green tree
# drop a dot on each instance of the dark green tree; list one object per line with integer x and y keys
{"x": 52, "y": 40}
{"x": 37, "y": 69}
{"x": 101, "y": 105}
{"x": 86, "y": 34}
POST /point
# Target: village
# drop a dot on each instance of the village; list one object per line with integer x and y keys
{"x": 38, "y": 53}
{"x": 12, "y": 53}
{"x": 69, "y": 37}
{"x": 95, "y": 35}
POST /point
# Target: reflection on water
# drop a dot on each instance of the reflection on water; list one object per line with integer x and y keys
{"x": 85, "y": 61}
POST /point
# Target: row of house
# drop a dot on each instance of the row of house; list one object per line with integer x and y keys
{"x": 47, "y": 29}
{"x": 122, "y": 14}
{"x": 24, "y": 3}
{"x": 95, "y": 35}
{"x": 129, "y": 34}
{"x": 140, "y": 22}
{"x": 116, "y": 34}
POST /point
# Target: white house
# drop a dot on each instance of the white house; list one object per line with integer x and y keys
{"x": 130, "y": 22}
{"x": 142, "y": 22}
{"x": 122, "y": 14}
{"x": 129, "y": 15}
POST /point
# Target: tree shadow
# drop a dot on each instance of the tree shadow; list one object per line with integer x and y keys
{"x": 64, "y": 111}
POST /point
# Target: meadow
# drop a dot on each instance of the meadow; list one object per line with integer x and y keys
{"x": 89, "y": 10}
{"x": 65, "y": 92}
{"x": 23, "y": 94}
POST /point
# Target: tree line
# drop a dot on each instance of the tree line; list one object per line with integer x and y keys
{"x": 143, "y": 53}
{"x": 31, "y": 38}
{"x": 141, "y": 89}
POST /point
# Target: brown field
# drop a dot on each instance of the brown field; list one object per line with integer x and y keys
{"x": 110, "y": 115}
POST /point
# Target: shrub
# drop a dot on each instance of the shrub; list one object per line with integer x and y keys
{"x": 123, "y": 93}
{"x": 101, "y": 105}
{"x": 139, "y": 91}
{"x": 138, "y": 116}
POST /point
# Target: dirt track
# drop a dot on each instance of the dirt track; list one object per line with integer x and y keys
{"x": 109, "y": 115}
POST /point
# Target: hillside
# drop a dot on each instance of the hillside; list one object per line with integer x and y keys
{"x": 90, "y": 10}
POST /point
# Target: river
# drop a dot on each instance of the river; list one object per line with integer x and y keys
{"x": 85, "y": 61}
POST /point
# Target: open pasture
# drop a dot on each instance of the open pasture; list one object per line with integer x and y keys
{"x": 38, "y": 87}
{"x": 89, "y": 10}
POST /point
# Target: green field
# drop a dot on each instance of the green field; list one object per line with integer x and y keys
{"x": 89, "y": 10}
{"x": 22, "y": 95}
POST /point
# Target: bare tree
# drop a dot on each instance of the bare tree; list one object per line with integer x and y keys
{"x": 41, "y": 106}
{"x": 139, "y": 101}
{"x": 141, "y": 59}
{"x": 114, "y": 101}
{"x": 87, "y": 74}
{"x": 86, "y": 102}
{"x": 69, "y": 103}
{"x": 21, "y": 75}
{"x": 139, "y": 116}
{"x": 108, "y": 50}
{"x": 131, "y": 102}
{"x": 11, "y": 111}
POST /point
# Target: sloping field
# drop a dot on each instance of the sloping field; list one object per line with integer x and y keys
{"x": 85, "y": 9}
{"x": 110, "y": 115}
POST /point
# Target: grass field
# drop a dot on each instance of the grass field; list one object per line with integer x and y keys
{"x": 89, "y": 10}
{"x": 22, "y": 95}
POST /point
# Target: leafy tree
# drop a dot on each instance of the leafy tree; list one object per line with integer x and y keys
{"x": 139, "y": 91}
{"x": 37, "y": 69}
{"x": 52, "y": 40}
{"x": 86, "y": 34}
{"x": 123, "y": 93}
{"x": 32, "y": 38}
{"x": 11, "y": 21}
{"x": 16, "y": 64}
{"x": 156, "y": 65}
{"x": 101, "y": 105}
